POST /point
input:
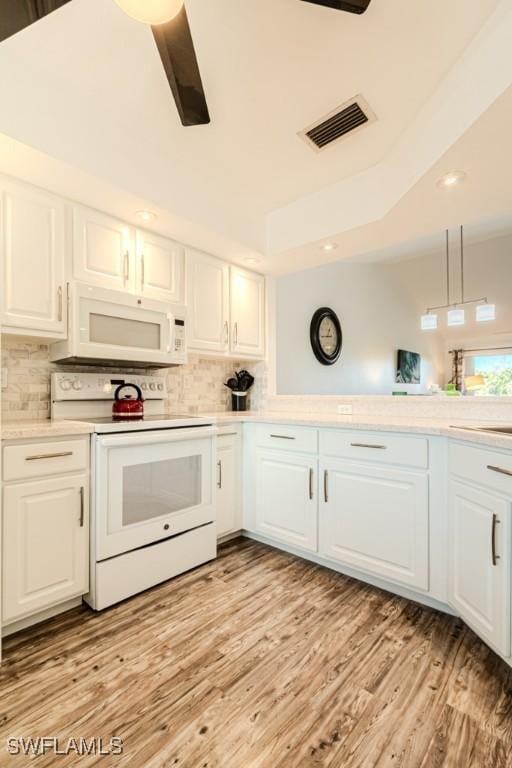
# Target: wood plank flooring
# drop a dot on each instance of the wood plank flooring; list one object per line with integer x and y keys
{"x": 260, "y": 660}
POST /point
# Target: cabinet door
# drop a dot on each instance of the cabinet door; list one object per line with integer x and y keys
{"x": 207, "y": 303}
{"x": 103, "y": 250}
{"x": 480, "y": 562}
{"x": 228, "y": 484}
{"x": 286, "y": 498}
{"x": 376, "y": 519}
{"x": 247, "y": 293}
{"x": 45, "y": 545}
{"x": 32, "y": 248}
{"x": 160, "y": 268}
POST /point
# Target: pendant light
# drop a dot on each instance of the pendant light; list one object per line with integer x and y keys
{"x": 456, "y": 315}
{"x": 152, "y": 12}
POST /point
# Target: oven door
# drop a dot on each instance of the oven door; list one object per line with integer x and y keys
{"x": 150, "y": 486}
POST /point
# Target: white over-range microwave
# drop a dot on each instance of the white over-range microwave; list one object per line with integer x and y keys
{"x": 105, "y": 326}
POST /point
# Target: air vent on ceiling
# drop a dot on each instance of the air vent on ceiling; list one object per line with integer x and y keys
{"x": 351, "y": 116}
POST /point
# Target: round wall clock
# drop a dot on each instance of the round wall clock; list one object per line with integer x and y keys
{"x": 326, "y": 336}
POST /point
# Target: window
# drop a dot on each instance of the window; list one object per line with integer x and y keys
{"x": 496, "y": 370}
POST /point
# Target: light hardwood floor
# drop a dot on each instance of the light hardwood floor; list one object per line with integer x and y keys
{"x": 261, "y": 660}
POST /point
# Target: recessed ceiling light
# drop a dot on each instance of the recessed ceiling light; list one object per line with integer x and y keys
{"x": 451, "y": 179}
{"x": 146, "y": 215}
{"x": 329, "y": 247}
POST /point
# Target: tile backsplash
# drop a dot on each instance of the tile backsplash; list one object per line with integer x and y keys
{"x": 195, "y": 387}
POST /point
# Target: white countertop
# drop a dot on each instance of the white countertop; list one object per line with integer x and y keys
{"x": 410, "y": 425}
{"x": 27, "y": 430}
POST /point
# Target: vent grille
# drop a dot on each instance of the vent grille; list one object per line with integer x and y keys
{"x": 351, "y": 116}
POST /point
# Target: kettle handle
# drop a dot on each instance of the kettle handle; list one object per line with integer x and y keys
{"x": 124, "y": 386}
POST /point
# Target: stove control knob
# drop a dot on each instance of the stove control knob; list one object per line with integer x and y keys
{"x": 160, "y": 387}
{"x": 152, "y": 386}
{"x": 77, "y": 385}
{"x": 143, "y": 385}
{"x": 65, "y": 384}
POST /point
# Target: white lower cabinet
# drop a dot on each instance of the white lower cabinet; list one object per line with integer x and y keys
{"x": 480, "y": 562}
{"x": 45, "y": 544}
{"x": 376, "y": 519}
{"x": 229, "y": 519}
{"x": 286, "y": 498}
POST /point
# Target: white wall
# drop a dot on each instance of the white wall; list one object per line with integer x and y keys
{"x": 377, "y": 318}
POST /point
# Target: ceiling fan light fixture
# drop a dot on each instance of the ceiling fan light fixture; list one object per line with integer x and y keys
{"x": 153, "y": 12}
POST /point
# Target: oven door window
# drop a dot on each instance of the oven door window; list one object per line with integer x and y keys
{"x": 160, "y": 488}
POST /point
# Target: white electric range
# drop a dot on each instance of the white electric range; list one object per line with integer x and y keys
{"x": 152, "y": 485}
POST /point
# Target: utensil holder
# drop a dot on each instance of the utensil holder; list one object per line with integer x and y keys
{"x": 239, "y": 401}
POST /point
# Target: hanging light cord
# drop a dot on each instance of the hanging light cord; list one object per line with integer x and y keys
{"x": 463, "y": 301}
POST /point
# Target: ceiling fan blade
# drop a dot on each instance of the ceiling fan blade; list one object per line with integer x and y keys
{"x": 18, "y": 14}
{"x": 352, "y": 6}
{"x": 176, "y": 48}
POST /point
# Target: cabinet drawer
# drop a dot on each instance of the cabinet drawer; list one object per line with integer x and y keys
{"x": 45, "y": 458}
{"x": 483, "y": 466}
{"x": 379, "y": 447}
{"x": 287, "y": 438}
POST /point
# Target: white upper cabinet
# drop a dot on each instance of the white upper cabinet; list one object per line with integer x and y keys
{"x": 32, "y": 250}
{"x": 247, "y": 305}
{"x": 207, "y": 303}
{"x": 480, "y": 562}
{"x": 160, "y": 265}
{"x": 103, "y": 250}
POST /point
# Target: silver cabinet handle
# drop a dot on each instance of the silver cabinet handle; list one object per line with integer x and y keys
{"x": 126, "y": 266}
{"x": 369, "y": 445}
{"x": 283, "y": 437}
{"x": 235, "y": 334}
{"x": 326, "y": 486}
{"x": 40, "y": 456}
{"x": 82, "y": 506}
{"x": 311, "y": 484}
{"x": 59, "y": 303}
{"x": 142, "y": 271}
{"x": 68, "y": 308}
{"x": 219, "y": 481}
{"x": 494, "y": 556}
{"x": 500, "y": 470}
{"x": 226, "y": 332}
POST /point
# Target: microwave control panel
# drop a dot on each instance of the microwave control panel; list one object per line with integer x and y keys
{"x": 179, "y": 335}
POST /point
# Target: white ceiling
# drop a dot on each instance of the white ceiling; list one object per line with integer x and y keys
{"x": 86, "y": 88}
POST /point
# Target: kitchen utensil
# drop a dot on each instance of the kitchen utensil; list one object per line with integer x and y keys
{"x": 245, "y": 380}
{"x": 128, "y": 402}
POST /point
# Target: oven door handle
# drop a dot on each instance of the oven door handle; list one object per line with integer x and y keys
{"x": 174, "y": 435}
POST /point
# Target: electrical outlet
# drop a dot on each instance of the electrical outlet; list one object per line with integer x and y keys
{"x": 4, "y": 378}
{"x": 345, "y": 410}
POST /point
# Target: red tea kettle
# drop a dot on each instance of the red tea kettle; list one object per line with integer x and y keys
{"x": 129, "y": 405}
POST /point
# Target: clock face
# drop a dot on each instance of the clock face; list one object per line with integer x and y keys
{"x": 326, "y": 336}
